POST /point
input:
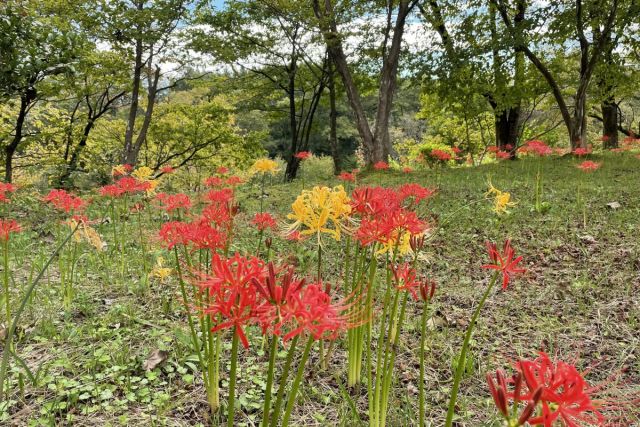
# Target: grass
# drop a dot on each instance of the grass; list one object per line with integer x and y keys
{"x": 579, "y": 300}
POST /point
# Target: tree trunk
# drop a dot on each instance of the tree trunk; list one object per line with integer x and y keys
{"x": 507, "y": 129}
{"x": 293, "y": 163}
{"x": 130, "y": 155}
{"x": 388, "y": 83}
{"x": 376, "y": 144}
{"x": 333, "y": 120}
{"x": 609, "y": 123}
{"x": 25, "y": 100}
{"x": 133, "y": 108}
{"x": 75, "y": 155}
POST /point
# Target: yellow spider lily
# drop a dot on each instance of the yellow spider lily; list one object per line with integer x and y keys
{"x": 321, "y": 210}
{"x": 265, "y": 166}
{"x": 501, "y": 199}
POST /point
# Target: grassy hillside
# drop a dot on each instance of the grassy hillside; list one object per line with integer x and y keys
{"x": 579, "y": 300}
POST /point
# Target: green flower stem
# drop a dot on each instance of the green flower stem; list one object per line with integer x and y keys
{"x": 194, "y": 336}
{"x": 283, "y": 381}
{"x": 386, "y": 386}
{"x": 463, "y": 353}
{"x": 374, "y": 416}
{"x": 296, "y": 383}
{"x": 423, "y": 332}
{"x": 5, "y": 247}
{"x": 23, "y": 303}
{"x": 232, "y": 379}
{"x": 273, "y": 353}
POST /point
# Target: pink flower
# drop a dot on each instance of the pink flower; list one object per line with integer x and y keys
{"x": 302, "y": 155}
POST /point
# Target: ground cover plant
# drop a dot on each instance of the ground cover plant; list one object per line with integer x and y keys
{"x": 392, "y": 297}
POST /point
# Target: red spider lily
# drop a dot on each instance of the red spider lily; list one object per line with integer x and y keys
{"x": 500, "y": 393}
{"x": 280, "y": 299}
{"x": 222, "y": 170}
{"x": 232, "y": 293}
{"x": 318, "y": 316}
{"x": 4, "y": 189}
{"x": 223, "y": 196}
{"x": 493, "y": 149}
{"x": 302, "y": 155}
{"x": 605, "y": 138}
{"x": 347, "y": 176}
{"x": 537, "y": 147}
{"x": 503, "y": 155}
{"x": 381, "y": 166}
{"x": 8, "y": 227}
{"x": 407, "y": 169}
{"x": 220, "y": 214}
{"x": 581, "y": 152}
{"x": 214, "y": 181}
{"x": 389, "y": 228}
{"x": 418, "y": 192}
{"x": 263, "y": 221}
{"x": 589, "y": 166}
{"x": 404, "y": 278}
{"x": 456, "y": 150}
{"x": 565, "y": 393}
{"x": 130, "y": 185}
{"x": 508, "y": 147}
{"x": 172, "y": 202}
{"x": 174, "y": 233}
{"x": 618, "y": 150}
{"x": 203, "y": 236}
{"x": 505, "y": 262}
{"x": 111, "y": 190}
{"x": 64, "y": 201}
{"x": 233, "y": 181}
{"x": 168, "y": 170}
{"x": 440, "y": 155}
{"x": 374, "y": 201}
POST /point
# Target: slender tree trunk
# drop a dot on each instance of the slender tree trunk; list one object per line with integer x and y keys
{"x": 376, "y": 144}
{"x": 25, "y": 100}
{"x": 133, "y": 108}
{"x": 72, "y": 166}
{"x": 333, "y": 120}
{"x": 69, "y": 135}
{"x": 131, "y": 154}
{"x": 388, "y": 84}
{"x": 293, "y": 163}
{"x": 608, "y": 106}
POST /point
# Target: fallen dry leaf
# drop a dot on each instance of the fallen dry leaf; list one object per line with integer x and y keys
{"x": 155, "y": 359}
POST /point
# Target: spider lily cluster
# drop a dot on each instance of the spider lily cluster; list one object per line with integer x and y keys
{"x": 254, "y": 297}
